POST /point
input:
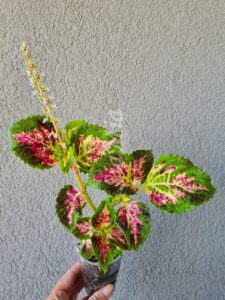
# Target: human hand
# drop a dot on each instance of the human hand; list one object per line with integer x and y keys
{"x": 71, "y": 283}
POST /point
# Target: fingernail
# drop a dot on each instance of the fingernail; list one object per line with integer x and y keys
{"x": 108, "y": 290}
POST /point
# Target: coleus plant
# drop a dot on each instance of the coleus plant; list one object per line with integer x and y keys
{"x": 172, "y": 183}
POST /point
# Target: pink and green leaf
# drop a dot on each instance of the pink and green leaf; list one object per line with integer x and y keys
{"x": 86, "y": 249}
{"x": 104, "y": 216}
{"x": 134, "y": 219}
{"x": 108, "y": 238}
{"x": 118, "y": 237}
{"x": 33, "y": 140}
{"x": 69, "y": 202}
{"x": 105, "y": 251}
{"x": 121, "y": 173}
{"x": 175, "y": 185}
{"x": 91, "y": 142}
{"x": 72, "y": 131}
{"x": 82, "y": 227}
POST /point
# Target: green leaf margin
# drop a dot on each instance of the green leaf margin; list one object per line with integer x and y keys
{"x": 21, "y": 151}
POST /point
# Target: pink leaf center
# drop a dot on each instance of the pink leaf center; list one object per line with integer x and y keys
{"x": 104, "y": 218}
{"x": 87, "y": 246}
{"x": 94, "y": 147}
{"x": 75, "y": 201}
{"x": 138, "y": 170}
{"x": 39, "y": 141}
{"x": 84, "y": 227}
{"x": 129, "y": 218}
{"x": 116, "y": 235}
{"x": 187, "y": 183}
{"x": 123, "y": 175}
{"x": 160, "y": 198}
{"x": 103, "y": 247}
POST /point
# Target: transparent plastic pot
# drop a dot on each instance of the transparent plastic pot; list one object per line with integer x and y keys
{"x": 94, "y": 278}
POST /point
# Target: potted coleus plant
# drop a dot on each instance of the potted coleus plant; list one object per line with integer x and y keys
{"x": 119, "y": 222}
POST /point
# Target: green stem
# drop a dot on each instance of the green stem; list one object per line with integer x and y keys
{"x": 83, "y": 188}
{"x": 79, "y": 181}
{"x": 41, "y": 92}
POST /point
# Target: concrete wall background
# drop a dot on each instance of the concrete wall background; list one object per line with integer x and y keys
{"x": 162, "y": 63}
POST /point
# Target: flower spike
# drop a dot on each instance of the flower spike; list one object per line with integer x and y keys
{"x": 40, "y": 88}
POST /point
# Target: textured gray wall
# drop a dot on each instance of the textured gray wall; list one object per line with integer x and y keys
{"x": 162, "y": 63}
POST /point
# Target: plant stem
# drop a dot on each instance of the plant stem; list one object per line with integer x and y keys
{"x": 77, "y": 176}
{"x": 40, "y": 88}
{"x": 74, "y": 167}
{"x": 83, "y": 187}
{"x": 79, "y": 181}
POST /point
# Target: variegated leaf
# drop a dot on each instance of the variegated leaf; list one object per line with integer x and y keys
{"x": 121, "y": 173}
{"x": 104, "y": 216}
{"x": 105, "y": 251}
{"x": 69, "y": 202}
{"x": 107, "y": 235}
{"x": 33, "y": 140}
{"x": 82, "y": 227}
{"x": 86, "y": 249}
{"x": 175, "y": 185}
{"x": 91, "y": 142}
{"x": 73, "y": 127}
{"x": 118, "y": 237}
{"x": 134, "y": 219}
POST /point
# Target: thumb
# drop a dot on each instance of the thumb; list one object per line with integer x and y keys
{"x": 103, "y": 294}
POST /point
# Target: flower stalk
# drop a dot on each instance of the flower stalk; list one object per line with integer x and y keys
{"x": 40, "y": 88}
{"x": 48, "y": 106}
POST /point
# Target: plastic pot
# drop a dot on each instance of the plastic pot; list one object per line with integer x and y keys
{"x": 93, "y": 276}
